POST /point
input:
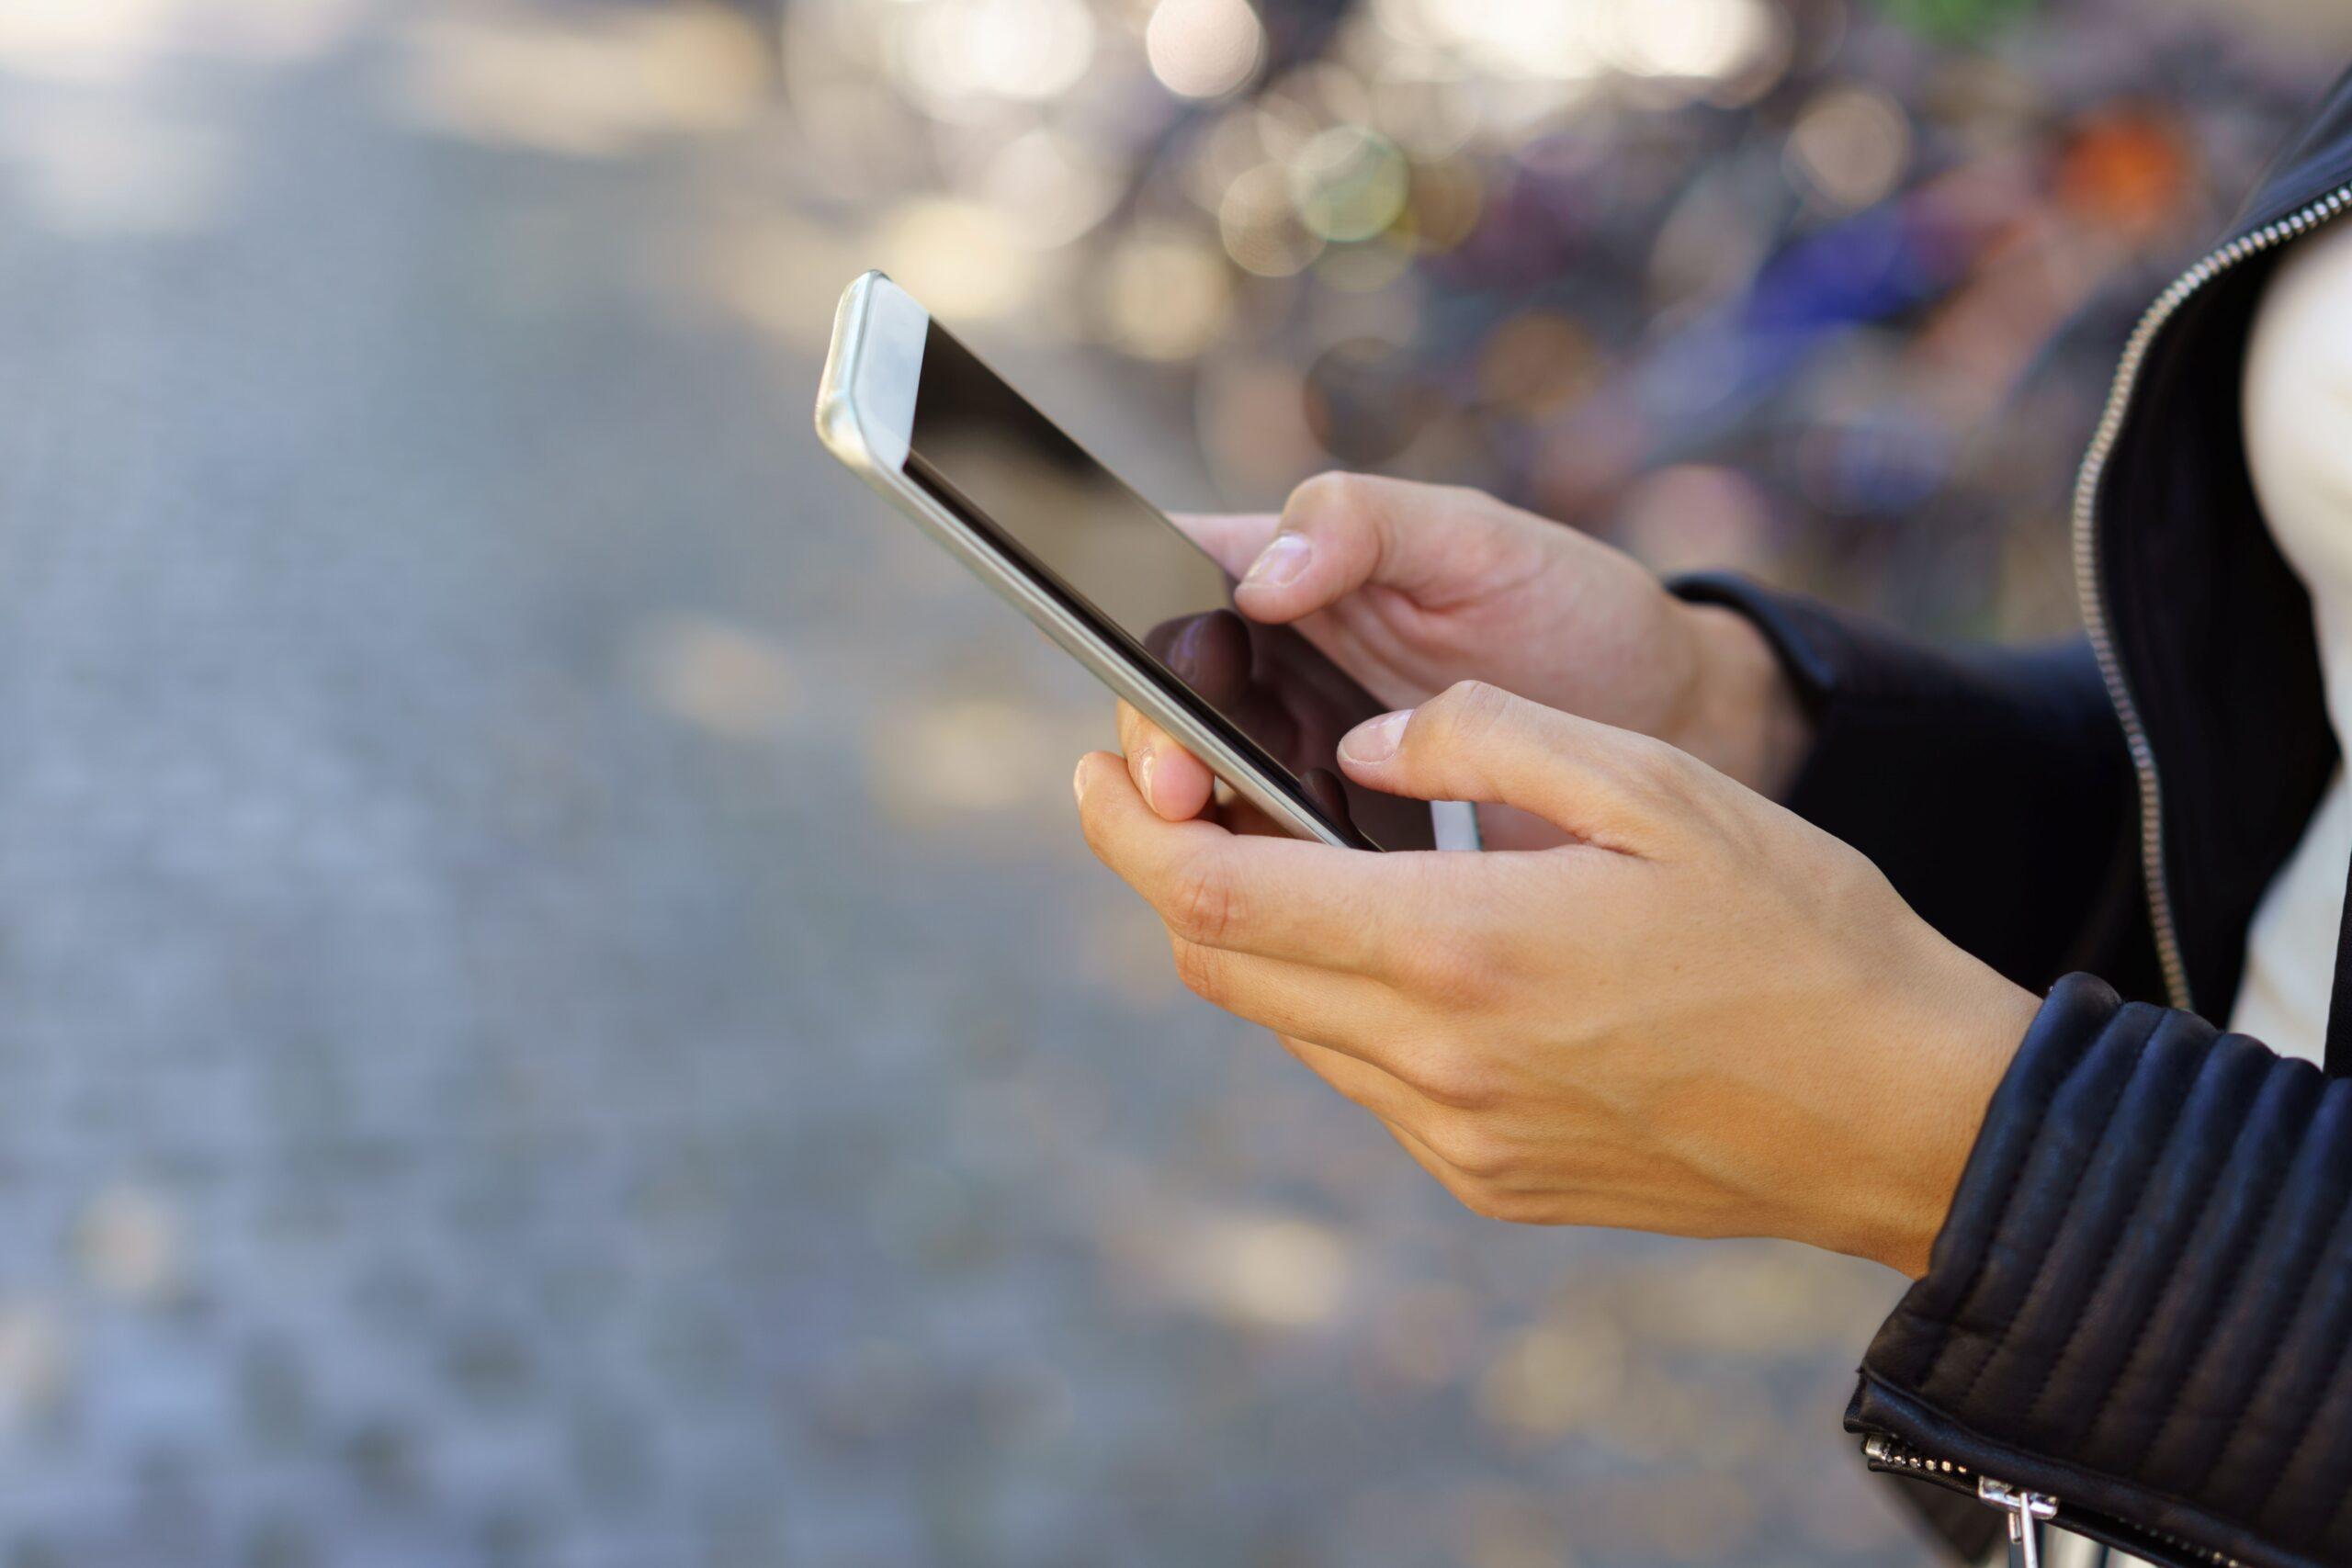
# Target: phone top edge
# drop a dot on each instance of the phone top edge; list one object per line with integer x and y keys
{"x": 866, "y": 398}
{"x": 836, "y": 421}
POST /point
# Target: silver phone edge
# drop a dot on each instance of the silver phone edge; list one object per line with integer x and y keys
{"x": 1454, "y": 824}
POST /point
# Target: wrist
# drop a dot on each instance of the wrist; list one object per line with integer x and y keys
{"x": 1943, "y": 1050}
{"x": 1741, "y": 715}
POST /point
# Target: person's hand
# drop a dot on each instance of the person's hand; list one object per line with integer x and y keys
{"x": 1697, "y": 1015}
{"x": 1412, "y": 587}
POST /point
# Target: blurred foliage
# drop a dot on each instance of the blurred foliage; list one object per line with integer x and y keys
{"x": 1956, "y": 19}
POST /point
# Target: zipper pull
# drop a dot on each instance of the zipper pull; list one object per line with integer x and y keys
{"x": 2027, "y": 1510}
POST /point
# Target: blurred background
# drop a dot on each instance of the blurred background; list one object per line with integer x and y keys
{"x": 551, "y": 1011}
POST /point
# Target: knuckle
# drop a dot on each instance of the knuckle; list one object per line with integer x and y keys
{"x": 1469, "y": 696}
{"x": 1332, "y": 492}
{"x": 1450, "y": 972}
{"x": 1456, "y": 1080}
{"x": 1513, "y": 1208}
{"x": 1486, "y": 1202}
{"x": 1475, "y": 1152}
{"x": 1652, "y": 766}
{"x": 1092, "y": 828}
{"x": 1202, "y": 904}
{"x": 1469, "y": 708}
{"x": 1199, "y": 969}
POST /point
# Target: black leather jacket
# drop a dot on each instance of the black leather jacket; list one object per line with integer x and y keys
{"x": 2140, "y": 1309}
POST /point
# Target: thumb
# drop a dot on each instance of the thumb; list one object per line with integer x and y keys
{"x": 1477, "y": 743}
{"x": 1339, "y": 531}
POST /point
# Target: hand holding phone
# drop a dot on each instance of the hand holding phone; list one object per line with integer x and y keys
{"x": 1104, "y": 574}
{"x": 1512, "y": 1018}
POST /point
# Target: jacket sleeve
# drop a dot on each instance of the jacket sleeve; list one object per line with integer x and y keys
{"x": 2141, "y": 1303}
{"x": 1990, "y": 784}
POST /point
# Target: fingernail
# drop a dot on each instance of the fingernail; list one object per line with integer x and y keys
{"x": 1145, "y": 760}
{"x": 1376, "y": 740}
{"x": 1281, "y": 562}
{"x": 1078, "y": 782}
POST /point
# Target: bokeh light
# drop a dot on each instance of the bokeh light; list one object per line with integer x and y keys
{"x": 1850, "y": 145}
{"x": 950, "y": 52}
{"x": 1166, "y": 293}
{"x": 1349, "y": 182}
{"x": 1699, "y": 40}
{"x": 1204, "y": 49}
{"x": 1504, "y": 38}
{"x": 1058, "y": 184}
{"x": 1261, "y": 226}
{"x": 965, "y": 259}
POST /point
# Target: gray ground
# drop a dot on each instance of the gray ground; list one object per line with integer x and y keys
{"x": 550, "y": 1009}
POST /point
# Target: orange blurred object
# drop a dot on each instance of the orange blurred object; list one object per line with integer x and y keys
{"x": 2126, "y": 169}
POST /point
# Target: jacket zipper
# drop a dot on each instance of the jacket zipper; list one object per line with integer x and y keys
{"x": 2028, "y": 1510}
{"x": 2094, "y": 600}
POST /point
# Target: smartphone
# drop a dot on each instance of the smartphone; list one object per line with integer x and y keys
{"x": 1104, "y": 574}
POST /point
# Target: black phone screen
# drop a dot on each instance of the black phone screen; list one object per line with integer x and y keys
{"x": 1011, "y": 474}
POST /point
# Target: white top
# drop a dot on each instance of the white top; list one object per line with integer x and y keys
{"x": 2298, "y": 416}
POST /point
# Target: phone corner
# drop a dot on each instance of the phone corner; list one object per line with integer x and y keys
{"x": 835, "y": 415}
{"x": 865, "y": 396}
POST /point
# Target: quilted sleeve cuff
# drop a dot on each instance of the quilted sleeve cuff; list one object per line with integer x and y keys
{"x": 2141, "y": 1299}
